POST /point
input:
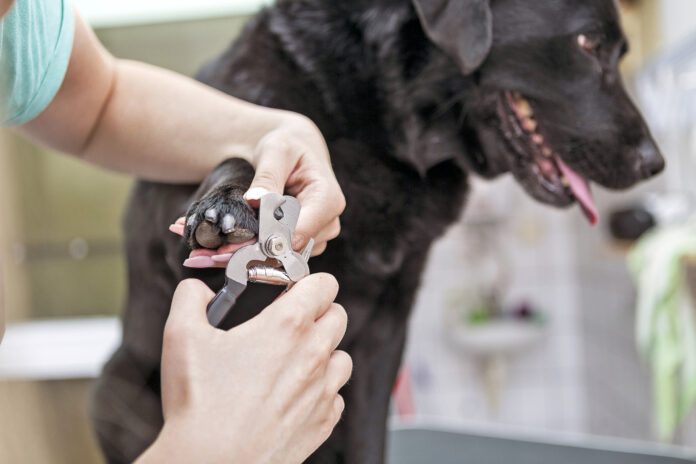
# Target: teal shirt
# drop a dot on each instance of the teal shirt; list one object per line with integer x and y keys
{"x": 36, "y": 38}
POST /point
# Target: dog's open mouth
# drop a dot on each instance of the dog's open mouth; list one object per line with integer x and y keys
{"x": 522, "y": 132}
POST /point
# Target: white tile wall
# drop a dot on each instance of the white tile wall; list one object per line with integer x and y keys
{"x": 544, "y": 385}
{"x": 585, "y": 376}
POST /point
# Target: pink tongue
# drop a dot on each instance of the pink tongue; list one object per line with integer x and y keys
{"x": 581, "y": 191}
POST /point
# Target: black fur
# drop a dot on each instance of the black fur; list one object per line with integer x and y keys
{"x": 407, "y": 114}
{"x": 221, "y": 193}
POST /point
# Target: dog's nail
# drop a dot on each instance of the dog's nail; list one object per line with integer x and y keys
{"x": 255, "y": 193}
{"x": 211, "y": 215}
{"x": 228, "y": 223}
{"x": 177, "y": 229}
{"x": 223, "y": 258}
{"x": 199, "y": 262}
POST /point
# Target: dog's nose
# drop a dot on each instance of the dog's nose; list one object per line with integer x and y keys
{"x": 651, "y": 160}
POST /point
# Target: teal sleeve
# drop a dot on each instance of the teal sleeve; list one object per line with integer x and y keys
{"x": 36, "y": 38}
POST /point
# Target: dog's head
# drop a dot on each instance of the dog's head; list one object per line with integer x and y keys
{"x": 547, "y": 100}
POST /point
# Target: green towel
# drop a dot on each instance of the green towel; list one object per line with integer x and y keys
{"x": 666, "y": 321}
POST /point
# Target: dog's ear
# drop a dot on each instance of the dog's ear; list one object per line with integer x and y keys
{"x": 461, "y": 28}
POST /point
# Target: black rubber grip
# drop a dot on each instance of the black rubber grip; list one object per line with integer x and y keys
{"x": 221, "y": 305}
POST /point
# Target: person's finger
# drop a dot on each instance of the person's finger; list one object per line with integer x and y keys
{"x": 319, "y": 209}
{"x": 331, "y": 327}
{"x": 204, "y": 258}
{"x": 306, "y": 301}
{"x": 179, "y": 226}
{"x": 338, "y": 371}
{"x": 318, "y": 248}
{"x": 339, "y": 405}
{"x": 177, "y": 229}
{"x": 275, "y": 163}
{"x": 329, "y": 232}
{"x": 189, "y": 305}
{"x": 202, "y": 262}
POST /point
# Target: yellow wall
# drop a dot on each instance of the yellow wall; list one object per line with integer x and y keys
{"x": 48, "y": 200}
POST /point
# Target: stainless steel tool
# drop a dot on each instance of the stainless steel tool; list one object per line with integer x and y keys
{"x": 271, "y": 260}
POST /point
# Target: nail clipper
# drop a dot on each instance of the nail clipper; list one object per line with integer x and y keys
{"x": 271, "y": 260}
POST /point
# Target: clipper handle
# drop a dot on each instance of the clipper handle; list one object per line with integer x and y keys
{"x": 223, "y": 302}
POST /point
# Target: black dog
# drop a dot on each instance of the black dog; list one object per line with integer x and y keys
{"x": 412, "y": 97}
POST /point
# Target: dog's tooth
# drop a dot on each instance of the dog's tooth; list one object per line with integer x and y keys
{"x": 547, "y": 166}
{"x": 228, "y": 223}
{"x": 211, "y": 215}
{"x": 582, "y": 40}
{"x": 191, "y": 220}
{"x": 529, "y": 124}
{"x": 538, "y": 139}
{"x": 525, "y": 108}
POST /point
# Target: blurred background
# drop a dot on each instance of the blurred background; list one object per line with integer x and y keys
{"x": 525, "y": 324}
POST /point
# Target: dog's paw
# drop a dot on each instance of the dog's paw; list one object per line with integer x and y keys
{"x": 222, "y": 217}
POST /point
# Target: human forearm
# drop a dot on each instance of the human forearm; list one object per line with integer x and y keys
{"x": 146, "y": 121}
{"x": 155, "y": 124}
{"x": 163, "y": 126}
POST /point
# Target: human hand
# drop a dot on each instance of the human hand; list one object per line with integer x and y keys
{"x": 265, "y": 391}
{"x": 292, "y": 158}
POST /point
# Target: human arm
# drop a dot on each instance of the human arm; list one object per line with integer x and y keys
{"x": 152, "y": 123}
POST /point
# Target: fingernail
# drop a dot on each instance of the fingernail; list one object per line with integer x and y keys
{"x": 255, "y": 193}
{"x": 297, "y": 242}
{"x": 223, "y": 258}
{"x": 177, "y": 229}
{"x": 199, "y": 262}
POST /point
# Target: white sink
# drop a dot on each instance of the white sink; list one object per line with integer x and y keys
{"x": 504, "y": 337}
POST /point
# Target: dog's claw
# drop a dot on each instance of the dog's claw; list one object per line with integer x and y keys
{"x": 211, "y": 215}
{"x": 221, "y": 217}
{"x": 228, "y": 223}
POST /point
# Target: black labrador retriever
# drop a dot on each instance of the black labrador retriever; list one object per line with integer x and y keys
{"x": 413, "y": 96}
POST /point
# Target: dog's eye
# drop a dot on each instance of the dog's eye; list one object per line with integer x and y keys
{"x": 589, "y": 43}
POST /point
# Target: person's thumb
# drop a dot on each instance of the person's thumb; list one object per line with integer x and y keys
{"x": 274, "y": 166}
{"x": 189, "y": 305}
